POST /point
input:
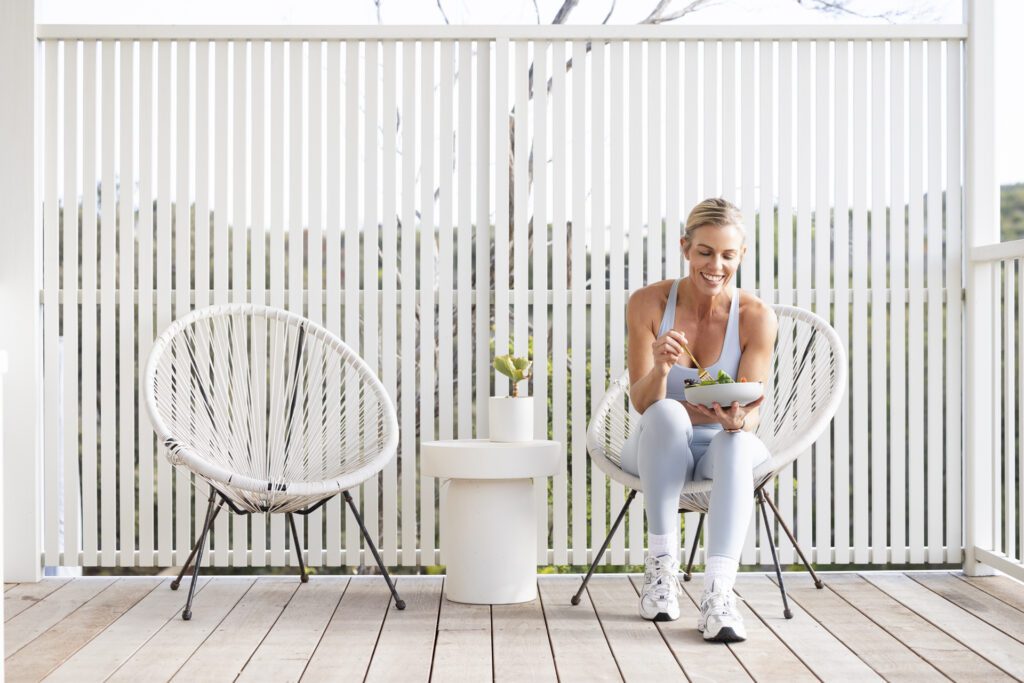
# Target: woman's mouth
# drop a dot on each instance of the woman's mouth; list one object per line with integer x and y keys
{"x": 713, "y": 279}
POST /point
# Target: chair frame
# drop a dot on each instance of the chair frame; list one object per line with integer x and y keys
{"x": 214, "y": 507}
{"x": 761, "y": 495}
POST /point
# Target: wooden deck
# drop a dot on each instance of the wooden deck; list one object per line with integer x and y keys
{"x": 869, "y": 626}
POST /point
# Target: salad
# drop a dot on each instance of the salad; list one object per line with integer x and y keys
{"x": 722, "y": 378}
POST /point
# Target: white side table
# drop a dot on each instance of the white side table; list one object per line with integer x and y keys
{"x": 488, "y": 518}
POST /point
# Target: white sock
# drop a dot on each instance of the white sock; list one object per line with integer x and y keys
{"x": 662, "y": 544}
{"x": 722, "y": 569}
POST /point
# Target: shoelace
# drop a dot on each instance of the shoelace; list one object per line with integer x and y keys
{"x": 664, "y": 580}
{"x": 719, "y": 604}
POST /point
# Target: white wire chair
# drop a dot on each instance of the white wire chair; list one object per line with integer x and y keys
{"x": 802, "y": 395}
{"x": 275, "y": 412}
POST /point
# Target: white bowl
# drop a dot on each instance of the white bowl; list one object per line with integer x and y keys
{"x": 724, "y": 394}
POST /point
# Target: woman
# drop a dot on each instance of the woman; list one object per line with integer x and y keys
{"x": 676, "y": 441}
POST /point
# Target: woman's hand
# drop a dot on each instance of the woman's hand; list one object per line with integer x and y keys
{"x": 667, "y": 349}
{"x": 732, "y": 417}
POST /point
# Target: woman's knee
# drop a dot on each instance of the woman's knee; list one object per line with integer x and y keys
{"x": 667, "y": 414}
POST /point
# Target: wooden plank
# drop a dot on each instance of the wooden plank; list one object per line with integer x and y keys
{"x": 987, "y": 641}
{"x": 284, "y": 652}
{"x": 699, "y": 660}
{"x": 224, "y": 653}
{"x": 51, "y": 649}
{"x": 35, "y": 621}
{"x": 764, "y": 656}
{"x": 463, "y": 648}
{"x": 350, "y": 638}
{"x": 932, "y": 644}
{"x": 522, "y": 651}
{"x": 879, "y": 649}
{"x": 119, "y": 641}
{"x": 165, "y": 652}
{"x": 18, "y": 597}
{"x": 637, "y": 645}
{"x": 1006, "y": 589}
{"x": 580, "y": 649}
{"x": 1006, "y": 618}
{"x": 407, "y": 637}
{"x": 824, "y": 654}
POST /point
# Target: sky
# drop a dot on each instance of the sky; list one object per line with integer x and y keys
{"x": 1009, "y": 26}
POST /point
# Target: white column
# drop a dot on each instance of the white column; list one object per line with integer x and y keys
{"x": 982, "y": 227}
{"x": 3, "y": 371}
{"x": 20, "y": 277}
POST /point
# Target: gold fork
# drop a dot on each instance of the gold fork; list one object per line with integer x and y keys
{"x": 702, "y": 374}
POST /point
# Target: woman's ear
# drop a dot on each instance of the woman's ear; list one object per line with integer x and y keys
{"x": 685, "y": 247}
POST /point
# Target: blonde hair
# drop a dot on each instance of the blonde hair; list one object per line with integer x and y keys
{"x": 717, "y": 212}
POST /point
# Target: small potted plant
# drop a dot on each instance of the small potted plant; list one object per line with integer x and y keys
{"x": 511, "y": 417}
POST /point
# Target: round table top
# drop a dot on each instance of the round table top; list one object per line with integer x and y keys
{"x": 483, "y": 459}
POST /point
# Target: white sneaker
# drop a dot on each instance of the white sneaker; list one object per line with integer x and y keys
{"x": 720, "y": 620}
{"x": 659, "y": 597}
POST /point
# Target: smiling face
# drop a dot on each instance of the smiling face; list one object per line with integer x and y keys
{"x": 714, "y": 254}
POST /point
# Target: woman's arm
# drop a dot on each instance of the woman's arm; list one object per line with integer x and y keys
{"x": 647, "y": 379}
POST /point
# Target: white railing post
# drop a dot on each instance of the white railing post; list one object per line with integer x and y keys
{"x": 19, "y": 289}
{"x": 982, "y": 227}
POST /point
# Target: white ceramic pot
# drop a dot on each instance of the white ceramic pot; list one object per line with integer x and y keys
{"x": 510, "y": 419}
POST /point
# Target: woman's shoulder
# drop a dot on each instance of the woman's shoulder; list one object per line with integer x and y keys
{"x": 655, "y": 293}
{"x": 756, "y": 314}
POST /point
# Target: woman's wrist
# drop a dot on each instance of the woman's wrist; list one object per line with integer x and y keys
{"x": 743, "y": 423}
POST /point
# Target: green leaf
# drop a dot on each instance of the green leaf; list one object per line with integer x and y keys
{"x": 503, "y": 364}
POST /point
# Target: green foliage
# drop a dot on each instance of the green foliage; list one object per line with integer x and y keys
{"x": 1012, "y": 211}
{"x": 515, "y": 368}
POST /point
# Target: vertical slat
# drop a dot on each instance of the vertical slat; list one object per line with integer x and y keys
{"x": 636, "y": 276}
{"x": 1009, "y": 360}
{"x": 954, "y": 309}
{"x": 897, "y": 306}
{"x": 842, "y": 296}
{"x": 540, "y": 287}
{"x": 616, "y": 265}
{"x": 747, "y": 197}
{"x": 729, "y": 131}
{"x": 501, "y": 209}
{"x": 427, "y": 275}
{"x": 182, "y": 226}
{"x": 598, "y": 293}
{"x": 859, "y": 350}
{"x": 408, "y": 312}
{"x": 935, "y": 447}
{"x": 70, "y": 315}
{"x": 822, "y": 290}
{"x": 258, "y": 245}
{"x": 710, "y": 186}
{"x": 371, "y": 260}
{"x": 389, "y": 298}
{"x": 691, "y": 165}
{"x": 108, "y": 314}
{"x": 559, "y": 282}
{"x": 995, "y": 492}
{"x": 673, "y": 205}
{"x": 353, "y": 298}
{"x": 1019, "y": 418}
{"x": 51, "y": 312}
{"x": 766, "y": 220}
{"x": 277, "y": 224}
{"x": 578, "y": 298}
{"x": 464, "y": 138}
{"x": 333, "y": 189}
{"x": 483, "y": 237}
{"x": 126, "y": 337}
{"x": 221, "y": 246}
{"x": 314, "y": 267}
{"x": 879, "y": 311}
{"x": 915, "y": 283}
{"x": 655, "y": 168}
{"x": 145, "y": 323}
{"x": 804, "y": 464}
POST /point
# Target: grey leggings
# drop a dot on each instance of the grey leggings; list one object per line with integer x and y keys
{"x": 667, "y": 451}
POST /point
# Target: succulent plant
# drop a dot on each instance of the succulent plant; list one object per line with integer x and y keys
{"x": 515, "y": 368}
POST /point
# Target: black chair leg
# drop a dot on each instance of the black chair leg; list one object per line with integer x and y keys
{"x": 817, "y": 582}
{"x": 775, "y": 557}
{"x": 195, "y": 548}
{"x": 211, "y": 514}
{"x": 687, "y": 575}
{"x": 303, "y": 576}
{"x": 399, "y": 603}
{"x": 604, "y": 546}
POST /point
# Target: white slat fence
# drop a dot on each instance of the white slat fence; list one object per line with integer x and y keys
{"x": 364, "y": 177}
